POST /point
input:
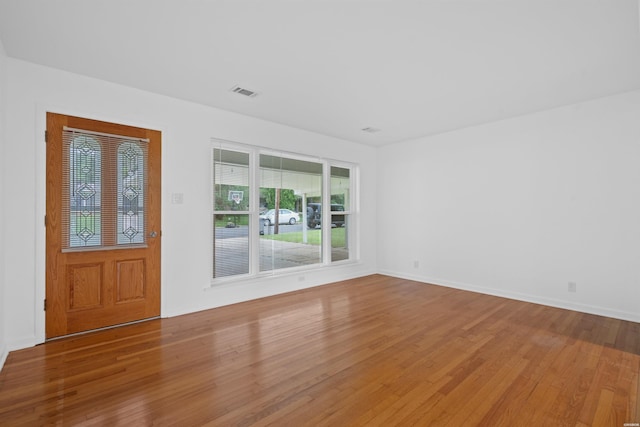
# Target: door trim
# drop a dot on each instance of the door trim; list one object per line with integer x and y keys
{"x": 75, "y": 334}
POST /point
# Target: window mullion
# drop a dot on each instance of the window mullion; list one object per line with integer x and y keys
{"x": 254, "y": 203}
{"x": 326, "y": 213}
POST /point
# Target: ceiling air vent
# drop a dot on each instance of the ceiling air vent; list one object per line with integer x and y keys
{"x": 244, "y": 91}
{"x": 371, "y": 130}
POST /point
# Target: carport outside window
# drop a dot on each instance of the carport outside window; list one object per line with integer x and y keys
{"x": 289, "y": 237}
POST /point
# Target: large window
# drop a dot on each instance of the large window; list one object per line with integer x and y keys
{"x": 268, "y": 211}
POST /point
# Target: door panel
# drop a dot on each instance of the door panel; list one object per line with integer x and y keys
{"x": 103, "y": 236}
{"x": 85, "y": 286}
{"x": 130, "y": 280}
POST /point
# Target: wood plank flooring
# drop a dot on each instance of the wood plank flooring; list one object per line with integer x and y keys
{"x": 374, "y": 351}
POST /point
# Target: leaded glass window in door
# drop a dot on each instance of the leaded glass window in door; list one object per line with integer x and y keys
{"x": 130, "y": 193}
{"x": 104, "y": 191}
{"x": 85, "y": 188}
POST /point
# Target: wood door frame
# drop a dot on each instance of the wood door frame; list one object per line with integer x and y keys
{"x": 40, "y": 150}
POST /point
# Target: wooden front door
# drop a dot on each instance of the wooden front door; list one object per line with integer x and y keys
{"x": 102, "y": 224}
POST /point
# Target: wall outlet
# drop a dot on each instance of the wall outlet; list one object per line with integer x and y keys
{"x": 416, "y": 264}
{"x": 572, "y": 287}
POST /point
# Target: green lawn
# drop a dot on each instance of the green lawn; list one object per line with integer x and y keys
{"x": 314, "y": 237}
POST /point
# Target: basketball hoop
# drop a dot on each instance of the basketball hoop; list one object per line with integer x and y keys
{"x": 236, "y": 196}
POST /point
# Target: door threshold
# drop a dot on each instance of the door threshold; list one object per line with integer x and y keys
{"x": 75, "y": 334}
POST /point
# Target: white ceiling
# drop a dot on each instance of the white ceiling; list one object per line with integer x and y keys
{"x": 409, "y": 68}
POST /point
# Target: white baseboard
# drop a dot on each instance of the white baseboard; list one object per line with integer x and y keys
{"x": 15, "y": 345}
{"x": 22, "y": 343}
{"x": 551, "y": 302}
{"x": 257, "y": 288}
{"x": 583, "y": 308}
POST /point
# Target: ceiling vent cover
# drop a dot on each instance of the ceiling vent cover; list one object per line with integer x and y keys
{"x": 243, "y": 91}
{"x": 371, "y": 130}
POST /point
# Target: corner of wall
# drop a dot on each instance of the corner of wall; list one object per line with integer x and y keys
{"x": 3, "y": 321}
{"x": 3, "y": 356}
{"x": 522, "y": 207}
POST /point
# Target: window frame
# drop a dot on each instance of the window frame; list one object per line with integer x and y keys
{"x": 254, "y": 208}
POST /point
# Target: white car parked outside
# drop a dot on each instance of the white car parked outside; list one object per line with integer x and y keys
{"x": 285, "y": 216}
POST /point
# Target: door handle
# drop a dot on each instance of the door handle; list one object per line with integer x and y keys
{"x": 153, "y": 234}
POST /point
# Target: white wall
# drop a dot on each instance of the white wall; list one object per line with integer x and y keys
{"x": 3, "y": 341}
{"x": 186, "y": 129}
{"x": 521, "y": 207}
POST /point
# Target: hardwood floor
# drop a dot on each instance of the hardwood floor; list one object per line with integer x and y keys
{"x": 374, "y": 351}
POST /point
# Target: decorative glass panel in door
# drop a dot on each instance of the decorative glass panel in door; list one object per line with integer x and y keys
{"x": 104, "y": 195}
{"x": 131, "y": 164}
{"x": 83, "y": 170}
